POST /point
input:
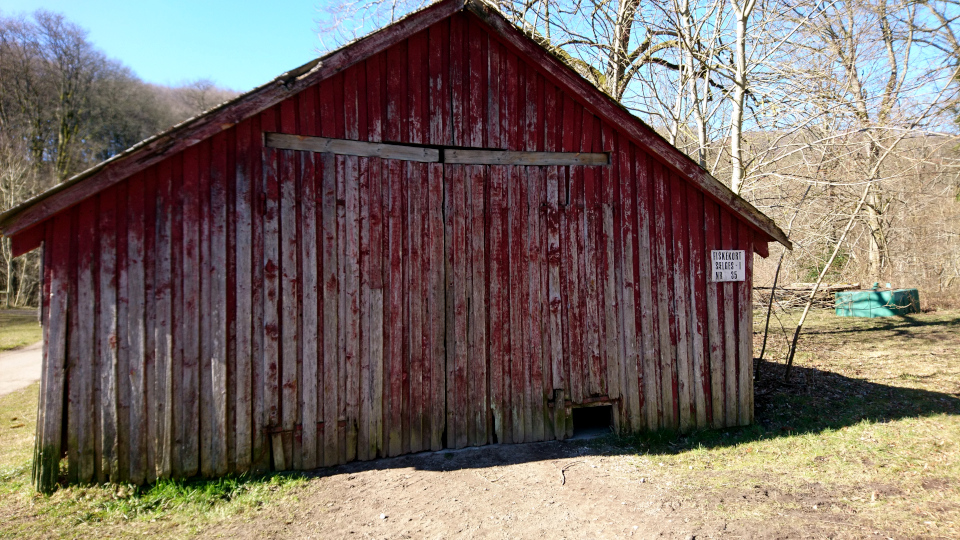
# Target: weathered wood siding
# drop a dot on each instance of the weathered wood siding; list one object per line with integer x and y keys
{"x": 236, "y": 307}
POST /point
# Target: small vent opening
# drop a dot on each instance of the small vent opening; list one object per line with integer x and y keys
{"x": 589, "y": 422}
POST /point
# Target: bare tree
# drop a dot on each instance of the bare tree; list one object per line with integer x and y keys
{"x": 48, "y": 71}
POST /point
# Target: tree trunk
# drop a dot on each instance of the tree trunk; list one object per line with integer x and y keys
{"x": 738, "y": 172}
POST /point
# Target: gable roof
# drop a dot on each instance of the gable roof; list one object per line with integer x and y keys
{"x": 150, "y": 151}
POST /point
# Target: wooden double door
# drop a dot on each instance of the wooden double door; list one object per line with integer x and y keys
{"x": 439, "y": 305}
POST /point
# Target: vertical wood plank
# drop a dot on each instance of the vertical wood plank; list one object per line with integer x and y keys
{"x": 135, "y": 338}
{"x": 698, "y": 313}
{"x": 75, "y": 406}
{"x": 534, "y": 331}
{"x": 149, "y": 415}
{"x": 546, "y": 137}
{"x": 85, "y": 341}
{"x": 394, "y": 348}
{"x": 532, "y": 140}
{"x": 260, "y": 445}
{"x": 394, "y": 115}
{"x": 377, "y": 364}
{"x": 572, "y": 119}
{"x": 331, "y": 285}
{"x": 519, "y": 365}
{"x": 460, "y": 308}
{"x": 163, "y": 341}
{"x": 365, "y": 395}
{"x": 745, "y": 329}
{"x": 339, "y": 163}
{"x": 56, "y": 272}
{"x": 553, "y": 256}
{"x": 612, "y": 302}
{"x": 661, "y": 279}
{"x": 416, "y": 55}
{"x": 439, "y": 65}
{"x": 440, "y": 132}
{"x": 352, "y": 264}
{"x": 647, "y": 308}
{"x": 218, "y": 303}
{"x": 578, "y": 200}
{"x": 476, "y": 242}
{"x": 342, "y": 268}
{"x": 365, "y": 422}
{"x": 589, "y": 226}
{"x": 436, "y": 307}
{"x": 176, "y": 432}
{"x": 421, "y": 85}
{"x": 289, "y": 283}
{"x": 634, "y": 375}
{"x": 456, "y": 304}
{"x": 39, "y": 471}
{"x": 474, "y": 115}
{"x": 205, "y": 278}
{"x": 679, "y": 272}
{"x": 123, "y": 349}
{"x": 190, "y": 321}
{"x": 230, "y": 298}
{"x": 375, "y": 98}
{"x": 271, "y": 302}
{"x": 243, "y": 233}
{"x": 501, "y": 358}
{"x": 352, "y": 296}
{"x": 510, "y": 133}
{"x": 309, "y": 322}
{"x": 477, "y": 326}
{"x": 714, "y": 297}
{"x": 729, "y": 336}
{"x": 499, "y": 303}
{"x": 331, "y": 294}
{"x": 97, "y": 474}
{"x": 107, "y": 331}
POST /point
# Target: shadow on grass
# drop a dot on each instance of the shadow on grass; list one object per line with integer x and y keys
{"x": 818, "y": 400}
{"x": 902, "y": 326}
{"x": 815, "y": 401}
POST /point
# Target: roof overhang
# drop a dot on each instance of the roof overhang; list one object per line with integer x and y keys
{"x": 21, "y": 220}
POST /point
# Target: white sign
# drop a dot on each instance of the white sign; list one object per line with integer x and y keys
{"x": 728, "y": 265}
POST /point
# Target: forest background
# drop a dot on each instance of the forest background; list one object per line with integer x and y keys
{"x": 837, "y": 119}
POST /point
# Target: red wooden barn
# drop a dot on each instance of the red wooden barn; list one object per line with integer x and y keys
{"x": 437, "y": 236}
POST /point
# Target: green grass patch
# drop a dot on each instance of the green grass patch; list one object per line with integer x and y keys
{"x": 167, "y": 508}
{"x": 18, "y": 328}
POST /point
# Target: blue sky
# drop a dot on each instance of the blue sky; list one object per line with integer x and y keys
{"x": 238, "y": 44}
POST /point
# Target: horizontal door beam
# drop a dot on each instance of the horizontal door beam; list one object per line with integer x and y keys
{"x": 509, "y": 157}
{"x": 352, "y": 148}
{"x": 432, "y": 155}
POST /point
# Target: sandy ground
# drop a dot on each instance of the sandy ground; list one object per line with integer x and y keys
{"x": 556, "y": 490}
{"x": 20, "y": 367}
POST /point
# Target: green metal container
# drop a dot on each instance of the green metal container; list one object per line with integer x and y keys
{"x": 877, "y": 303}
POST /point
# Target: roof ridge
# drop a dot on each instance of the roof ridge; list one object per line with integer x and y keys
{"x": 227, "y": 114}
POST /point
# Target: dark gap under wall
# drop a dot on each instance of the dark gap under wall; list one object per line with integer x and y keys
{"x": 591, "y": 422}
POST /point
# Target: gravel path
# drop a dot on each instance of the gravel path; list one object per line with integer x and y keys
{"x": 20, "y": 367}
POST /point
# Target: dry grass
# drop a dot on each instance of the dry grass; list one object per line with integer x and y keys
{"x": 866, "y": 434}
{"x": 18, "y": 328}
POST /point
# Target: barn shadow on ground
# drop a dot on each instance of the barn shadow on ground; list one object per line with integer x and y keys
{"x": 900, "y": 326}
{"x": 814, "y": 401}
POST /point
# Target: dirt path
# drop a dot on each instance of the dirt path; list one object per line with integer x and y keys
{"x": 545, "y": 490}
{"x": 20, "y": 367}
